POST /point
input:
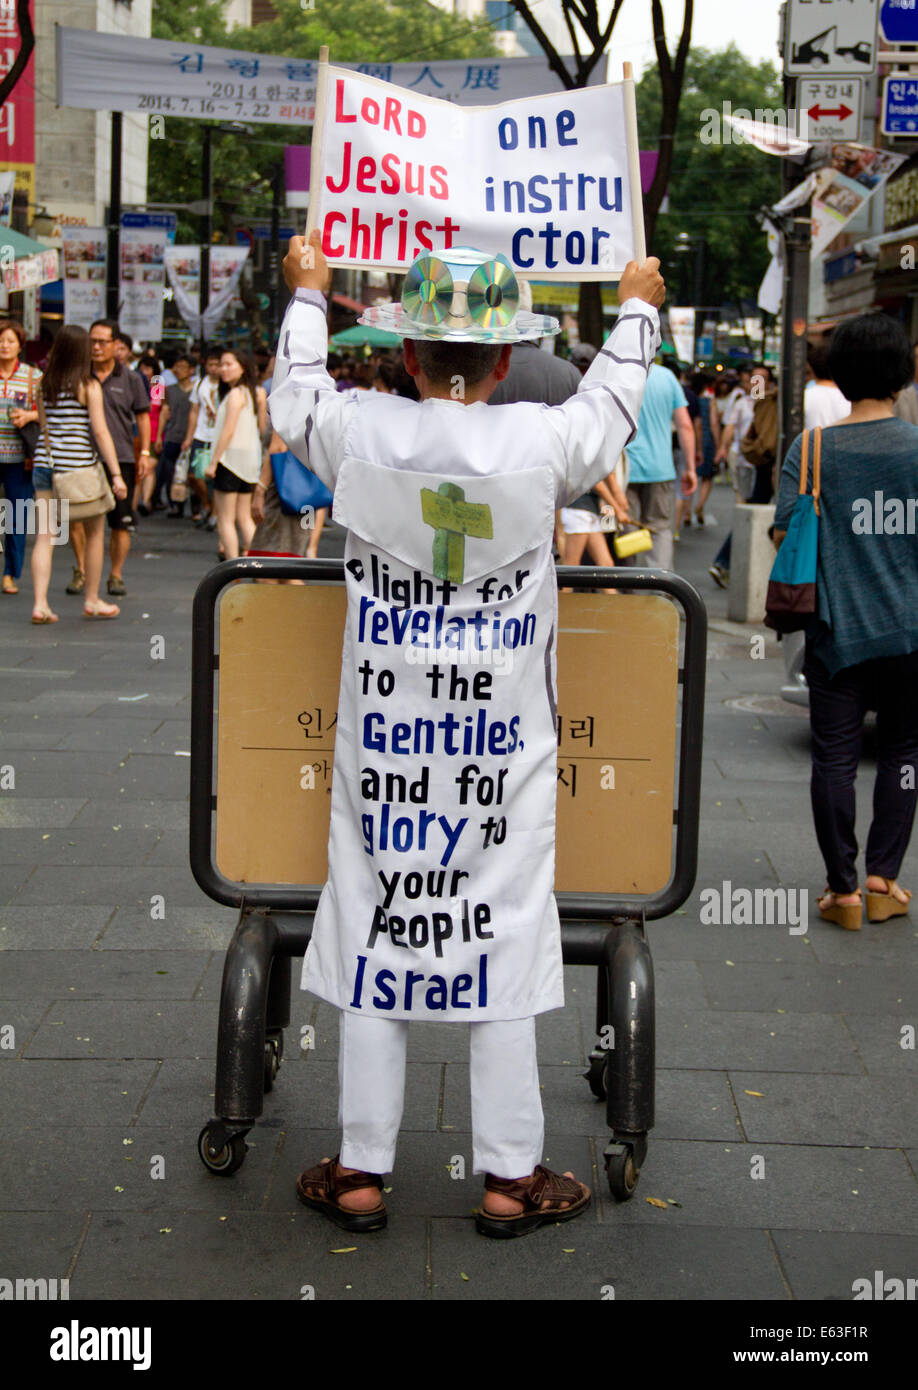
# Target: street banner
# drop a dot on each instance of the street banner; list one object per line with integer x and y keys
{"x": 843, "y": 187}
{"x": 226, "y": 264}
{"x": 183, "y": 267}
{"x": 771, "y": 139}
{"x": 553, "y": 182}
{"x": 142, "y": 276}
{"x": 296, "y": 175}
{"x": 17, "y": 114}
{"x": 178, "y": 77}
{"x": 682, "y": 330}
{"x": 31, "y": 271}
{"x": 85, "y": 253}
{"x": 7, "y": 185}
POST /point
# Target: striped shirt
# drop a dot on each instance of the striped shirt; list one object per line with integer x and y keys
{"x": 14, "y": 394}
{"x": 68, "y": 434}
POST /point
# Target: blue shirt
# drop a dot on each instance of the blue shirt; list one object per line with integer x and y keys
{"x": 650, "y": 453}
{"x": 867, "y": 571}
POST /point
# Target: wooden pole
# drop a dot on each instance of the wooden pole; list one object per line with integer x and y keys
{"x": 634, "y": 166}
{"x": 318, "y": 132}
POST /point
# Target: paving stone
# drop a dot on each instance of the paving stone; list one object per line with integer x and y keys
{"x": 684, "y": 938}
{"x": 120, "y": 732}
{"x": 824, "y": 1188}
{"x": 103, "y": 974}
{"x": 134, "y": 814}
{"x": 94, "y": 1028}
{"x": 720, "y": 1040}
{"x": 41, "y": 1245}
{"x": 878, "y": 1112}
{"x": 575, "y": 1260}
{"x": 157, "y": 774}
{"x": 810, "y": 988}
{"x": 12, "y": 881}
{"x": 19, "y": 1021}
{"x": 75, "y": 1093}
{"x": 40, "y": 928}
{"x": 77, "y": 845}
{"x": 46, "y": 812}
{"x": 877, "y": 943}
{"x": 271, "y": 1256}
{"x": 119, "y": 886}
{"x": 823, "y": 1265}
{"x": 878, "y": 1039}
{"x": 183, "y": 928}
{"x": 81, "y": 1167}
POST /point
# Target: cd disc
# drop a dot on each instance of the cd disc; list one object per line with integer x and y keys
{"x": 493, "y": 294}
{"x": 427, "y": 293}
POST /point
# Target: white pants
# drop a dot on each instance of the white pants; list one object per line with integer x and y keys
{"x": 507, "y": 1126}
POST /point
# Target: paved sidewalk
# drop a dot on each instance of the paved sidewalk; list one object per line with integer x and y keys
{"x": 779, "y": 1055}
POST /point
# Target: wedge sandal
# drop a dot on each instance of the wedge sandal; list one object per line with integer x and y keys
{"x": 321, "y": 1186}
{"x": 882, "y": 906}
{"x": 847, "y": 915}
{"x": 541, "y": 1195}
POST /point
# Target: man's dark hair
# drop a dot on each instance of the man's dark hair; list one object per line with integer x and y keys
{"x": 107, "y": 323}
{"x": 441, "y": 361}
{"x": 212, "y": 350}
{"x": 124, "y": 338}
{"x": 870, "y": 358}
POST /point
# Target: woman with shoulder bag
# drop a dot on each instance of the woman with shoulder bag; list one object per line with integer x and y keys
{"x": 862, "y": 641}
{"x": 235, "y": 461}
{"x": 66, "y": 467}
{"x": 18, "y": 389}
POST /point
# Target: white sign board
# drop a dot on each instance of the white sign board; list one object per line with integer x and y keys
{"x": 178, "y": 77}
{"x": 831, "y": 36}
{"x": 552, "y": 182}
{"x": 85, "y": 258}
{"x": 829, "y": 108}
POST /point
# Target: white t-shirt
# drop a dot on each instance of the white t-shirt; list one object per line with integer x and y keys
{"x": 204, "y": 394}
{"x": 740, "y": 417}
{"x": 823, "y": 405}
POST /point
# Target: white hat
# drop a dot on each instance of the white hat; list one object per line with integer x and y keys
{"x": 461, "y": 295}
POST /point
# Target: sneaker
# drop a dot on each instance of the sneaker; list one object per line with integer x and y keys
{"x": 116, "y": 586}
{"x": 77, "y": 583}
{"x": 720, "y": 575}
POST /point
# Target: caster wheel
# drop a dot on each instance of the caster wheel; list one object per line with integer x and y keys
{"x": 223, "y": 1160}
{"x": 596, "y": 1076}
{"x": 272, "y": 1066}
{"x": 623, "y": 1175}
{"x": 276, "y": 1037}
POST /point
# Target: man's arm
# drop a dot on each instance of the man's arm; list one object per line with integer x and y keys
{"x": 306, "y": 408}
{"x": 597, "y": 422}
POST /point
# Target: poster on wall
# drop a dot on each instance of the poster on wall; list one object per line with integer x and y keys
{"x": 226, "y": 264}
{"x": 17, "y": 114}
{"x": 142, "y": 275}
{"x": 85, "y": 258}
{"x": 7, "y": 184}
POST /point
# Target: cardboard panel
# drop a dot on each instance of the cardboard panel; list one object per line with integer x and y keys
{"x": 279, "y": 672}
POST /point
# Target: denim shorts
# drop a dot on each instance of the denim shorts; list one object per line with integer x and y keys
{"x": 41, "y": 478}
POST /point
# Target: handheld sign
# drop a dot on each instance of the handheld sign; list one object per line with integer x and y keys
{"x": 553, "y": 182}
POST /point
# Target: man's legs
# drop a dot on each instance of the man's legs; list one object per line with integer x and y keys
{"x": 371, "y": 1090}
{"x": 508, "y": 1130}
{"x": 658, "y": 515}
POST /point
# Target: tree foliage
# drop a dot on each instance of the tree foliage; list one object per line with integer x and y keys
{"x": 715, "y": 190}
{"x": 369, "y": 31}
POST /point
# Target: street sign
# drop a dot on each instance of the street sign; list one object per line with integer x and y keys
{"x": 705, "y": 346}
{"x": 899, "y": 19}
{"x": 900, "y": 106}
{"x": 831, "y": 36}
{"x": 829, "y": 108}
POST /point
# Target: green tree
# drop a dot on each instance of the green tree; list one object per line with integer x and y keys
{"x": 368, "y": 31}
{"x": 715, "y": 189}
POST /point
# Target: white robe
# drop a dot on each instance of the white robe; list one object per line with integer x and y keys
{"x": 439, "y": 902}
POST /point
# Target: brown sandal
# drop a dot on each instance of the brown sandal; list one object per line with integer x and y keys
{"x": 847, "y": 915}
{"x": 543, "y": 1187}
{"x": 321, "y": 1186}
{"x": 882, "y": 906}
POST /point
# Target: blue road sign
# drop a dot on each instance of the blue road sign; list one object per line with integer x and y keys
{"x": 900, "y": 106}
{"x": 899, "y": 19}
{"x": 705, "y": 347}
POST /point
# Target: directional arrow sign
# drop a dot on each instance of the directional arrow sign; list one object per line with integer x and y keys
{"x": 830, "y": 108}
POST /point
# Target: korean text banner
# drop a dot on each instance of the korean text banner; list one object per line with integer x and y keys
{"x": 553, "y": 181}
{"x": 180, "y": 77}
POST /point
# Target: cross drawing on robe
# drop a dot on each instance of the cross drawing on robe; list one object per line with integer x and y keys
{"x": 452, "y": 518}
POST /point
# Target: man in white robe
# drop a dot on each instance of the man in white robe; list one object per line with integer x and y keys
{"x": 439, "y": 903}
